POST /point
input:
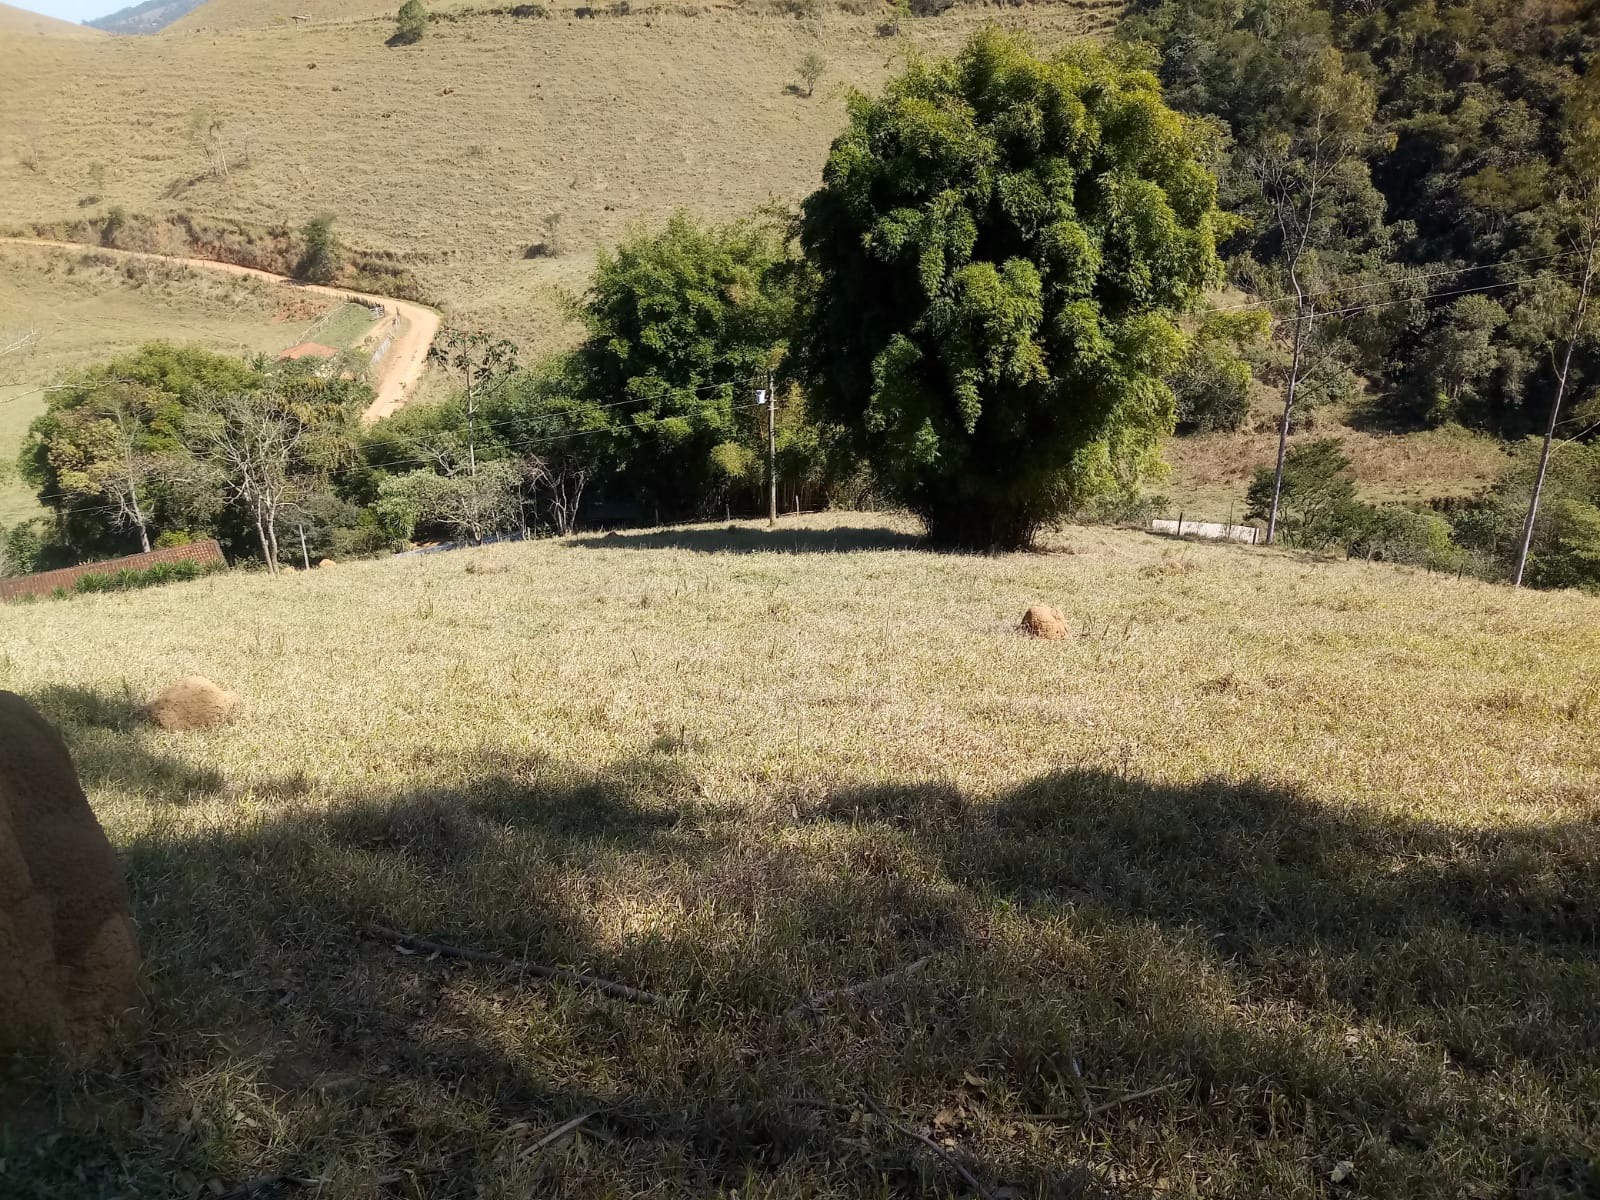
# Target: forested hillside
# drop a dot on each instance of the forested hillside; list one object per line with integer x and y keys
{"x": 1438, "y": 252}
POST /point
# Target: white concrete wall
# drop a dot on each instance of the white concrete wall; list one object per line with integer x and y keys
{"x": 1248, "y": 534}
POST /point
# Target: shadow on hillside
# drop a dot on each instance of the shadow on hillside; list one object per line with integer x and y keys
{"x": 1301, "y": 976}
{"x": 741, "y": 539}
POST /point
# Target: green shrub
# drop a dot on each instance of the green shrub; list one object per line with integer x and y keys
{"x": 1401, "y": 535}
{"x": 24, "y": 547}
{"x": 1127, "y": 508}
{"x": 410, "y": 23}
{"x": 1318, "y": 506}
{"x": 173, "y": 537}
{"x": 1212, "y": 385}
{"x": 323, "y": 255}
{"x": 94, "y": 582}
{"x": 131, "y": 578}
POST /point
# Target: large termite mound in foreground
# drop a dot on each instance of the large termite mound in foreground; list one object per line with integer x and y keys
{"x": 69, "y": 960}
{"x": 194, "y": 702}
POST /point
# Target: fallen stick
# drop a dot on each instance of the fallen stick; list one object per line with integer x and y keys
{"x": 811, "y": 1004}
{"x": 620, "y": 990}
{"x": 944, "y": 1154}
{"x": 555, "y": 1135}
{"x": 1083, "y": 1090}
{"x": 1092, "y": 1111}
{"x": 1106, "y": 1106}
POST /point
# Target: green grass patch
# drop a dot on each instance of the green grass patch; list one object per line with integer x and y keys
{"x": 344, "y": 327}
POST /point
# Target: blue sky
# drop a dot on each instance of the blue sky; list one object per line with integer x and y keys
{"x": 72, "y": 10}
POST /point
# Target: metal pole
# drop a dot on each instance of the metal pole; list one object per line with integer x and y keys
{"x": 772, "y": 454}
{"x": 305, "y": 559}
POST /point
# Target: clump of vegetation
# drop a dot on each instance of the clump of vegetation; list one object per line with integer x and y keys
{"x": 171, "y": 441}
{"x": 1214, "y": 382}
{"x": 323, "y": 257}
{"x": 993, "y": 314}
{"x": 1317, "y": 504}
{"x": 812, "y": 68}
{"x": 132, "y": 578}
{"x": 1565, "y": 551}
{"x": 410, "y": 24}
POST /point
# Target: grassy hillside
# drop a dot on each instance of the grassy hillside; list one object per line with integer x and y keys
{"x": 490, "y": 136}
{"x": 217, "y": 15}
{"x": 1302, "y": 852}
{"x": 86, "y": 308}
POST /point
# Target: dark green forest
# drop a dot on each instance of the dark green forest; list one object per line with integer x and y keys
{"x": 1440, "y": 256}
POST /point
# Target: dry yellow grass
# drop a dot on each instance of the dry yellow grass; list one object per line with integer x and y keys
{"x": 1312, "y": 845}
{"x": 457, "y": 151}
{"x": 18, "y": 25}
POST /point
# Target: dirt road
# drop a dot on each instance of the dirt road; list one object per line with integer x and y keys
{"x": 395, "y": 377}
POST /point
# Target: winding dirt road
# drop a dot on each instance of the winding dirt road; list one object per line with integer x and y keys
{"x": 395, "y": 377}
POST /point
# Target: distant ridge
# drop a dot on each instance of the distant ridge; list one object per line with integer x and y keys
{"x": 148, "y": 17}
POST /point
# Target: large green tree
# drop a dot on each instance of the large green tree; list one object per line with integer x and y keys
{"x": 109, "y": 453}
{"x": 999, "y": 250}
{"x": 684, "y": 323}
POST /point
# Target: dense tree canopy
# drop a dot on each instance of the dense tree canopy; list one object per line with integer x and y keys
{"x": 999, "y": 248}
{"x": 168, "y": 443}
{"x": 1469, "y": 104}
{"x": 683, "y": 325}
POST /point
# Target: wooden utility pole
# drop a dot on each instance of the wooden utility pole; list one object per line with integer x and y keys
{"x": 772, "y": 454}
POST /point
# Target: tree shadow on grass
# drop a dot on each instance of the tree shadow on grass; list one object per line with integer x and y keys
{"x": 1313, "y": 985}
{"x": 111, "y": 742}
{"x": 742, "y": 539}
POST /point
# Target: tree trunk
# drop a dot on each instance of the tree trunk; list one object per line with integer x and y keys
{"x": 261, "y": 536}
{"x": 1303, "y": 319}
{"x": 138, "y": 519}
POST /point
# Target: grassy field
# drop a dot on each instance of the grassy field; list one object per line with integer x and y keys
{"x": 86, "y": 308}
{"x": 490, "y": 136}
{"x": 1279, "y": 878}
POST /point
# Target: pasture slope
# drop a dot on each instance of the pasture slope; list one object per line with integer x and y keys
{"x": 493, "y": 139}
{"x": 394, "y": 379}
{"x": 1278, "y": 878}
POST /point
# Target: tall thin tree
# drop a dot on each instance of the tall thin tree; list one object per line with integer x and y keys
{"x": 1308, "y": 174}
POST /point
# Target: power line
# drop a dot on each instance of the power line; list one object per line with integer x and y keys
{"x": 1398, "y": 279}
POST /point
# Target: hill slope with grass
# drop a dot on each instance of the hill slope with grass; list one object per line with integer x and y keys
{"x": 493, "y": 157}
{"x": 1275, "y": 872}
{"x": 149, "y": 17}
